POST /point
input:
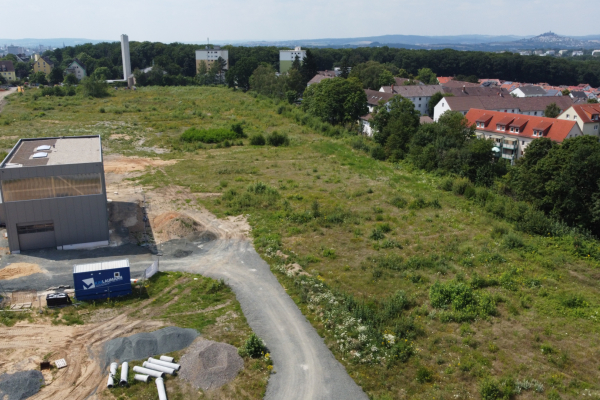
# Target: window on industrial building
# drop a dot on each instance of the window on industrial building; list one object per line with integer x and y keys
{"x": 48, "y": 187}
{"x": 37, "y": 228}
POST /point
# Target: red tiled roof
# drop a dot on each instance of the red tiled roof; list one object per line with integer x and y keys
{"x": 586, "y": 111}
{"x": 556, "y": 129}
{"x": 460, "y": 84}
{"x": 444, "y": 79}
{"x": 508, "y": 118}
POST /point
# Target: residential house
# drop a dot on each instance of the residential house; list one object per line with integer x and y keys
{"x": 534, "y": 106}
{"x": 578, "y": 96}
{"x": 76, "y": 68}
{"x": 209, "y": 55}
{"x": 7, "y": 70}
{"x": 562, "y": 52}
{"x": 322, "y": 75}
{"x": 596, "y": 53}
{"x": 493, "y": 82}
{"x": 365, "y": 123}
{"x": 512, "y": 133}
{"x": 577, "y": 53}
{"x": 550, "y": 53}
{"x": 374, "y": 97}
{"x": 528, "y": 91}
{"x": 538, "y": 52}
{"x": 287, "y": 57}
{"x": 418, "y": 94}
{"x": 42, "y": 64}
{"x": 587, "y": 116}
{"x": 525, "y": 53}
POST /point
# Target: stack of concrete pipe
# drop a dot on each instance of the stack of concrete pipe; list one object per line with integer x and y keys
{"x": 156, "y": 368}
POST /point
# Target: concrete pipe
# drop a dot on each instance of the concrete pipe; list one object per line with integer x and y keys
{"x": 176, "y": 367}
{"x": 142, "y": 378}
{"x": 160, "y": 386}
{"x": 113, "y": 369}
{"x": 156, "y": 367}
{"x": 167, "y": 359}
{"x": 153, "y": 373}
{"x": 124, "y": 373}
{"x": 110, "y": 382}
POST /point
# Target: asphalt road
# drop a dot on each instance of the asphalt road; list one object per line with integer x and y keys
{"x": 305, "y": 368}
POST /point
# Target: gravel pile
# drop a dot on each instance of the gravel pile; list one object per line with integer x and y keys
{"x": 144, "y": 345}
{"x": 209, "y": 365}
{"x": 20, "y": 385}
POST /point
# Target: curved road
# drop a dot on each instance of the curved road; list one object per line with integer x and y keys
{"x": 305, "y": 367}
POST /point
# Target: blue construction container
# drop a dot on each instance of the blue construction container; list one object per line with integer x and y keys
{"x": 102, "y": 280}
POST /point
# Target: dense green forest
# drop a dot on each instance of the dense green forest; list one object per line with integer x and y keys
{"x": 178, "y": 60}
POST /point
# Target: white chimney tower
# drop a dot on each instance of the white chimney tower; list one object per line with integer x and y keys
{"x": 125, "y": 56}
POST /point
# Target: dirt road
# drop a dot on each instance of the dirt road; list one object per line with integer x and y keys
{"x": 305, "y": 367}
{"x": 5, "y": 93}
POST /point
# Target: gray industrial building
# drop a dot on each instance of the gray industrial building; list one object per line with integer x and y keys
{"x": 53, "y": 194}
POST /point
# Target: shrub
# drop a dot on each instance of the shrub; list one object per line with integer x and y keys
{"x": 490, "y": 390}
{"x": 417, "y": 204}
{"x": 469, "y": 192}
{"x": 459, "y": 185}
{"x": 376, "y": 234}
{"x": 257, "y": 139}
{"x": 102, "y": 110}
{"x": 513, "y": 241}
{"x": 238, "y": 130}
{"x": 385, "y": 228}
{"x": 446, "y": 185}
{"x": 377, "y": 152}
{"x": 424, "y": 375}
{"x": 208, "y": 135}
{"x": 498, "y": 231}
{"x": 574, "y": 301}
{"x": 277, "y": 139}
{"x": 262, "y": 188}
{"x": 253, "y": 347}
{"x": 399, "y": 202}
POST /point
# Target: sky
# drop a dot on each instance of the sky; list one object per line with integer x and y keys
{"x": 249, "y": 20}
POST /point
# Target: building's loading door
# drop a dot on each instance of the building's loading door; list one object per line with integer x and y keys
{"x": 38, "y": 235}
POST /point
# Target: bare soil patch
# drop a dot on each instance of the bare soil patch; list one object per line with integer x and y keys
{"x": 120, "y": 136}
{"x": 19, "y": 270}
{"x": 123, "y": 165}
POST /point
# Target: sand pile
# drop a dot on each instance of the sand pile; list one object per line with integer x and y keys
{"x": 210, "y": 365}
{"x": 173, "y": 225}
{"x": 144, "y": 345}
{"x": 19, "y": 270}
{"x": 20, "y": 385}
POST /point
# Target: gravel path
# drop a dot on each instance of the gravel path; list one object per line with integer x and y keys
{"x": 5, "y": 93}
{"x": 305, "y": 368}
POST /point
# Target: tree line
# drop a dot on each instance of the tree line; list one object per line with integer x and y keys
{"x": 178, "y": 61}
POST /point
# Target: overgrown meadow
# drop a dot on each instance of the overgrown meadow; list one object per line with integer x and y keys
{"x": 421, "y": 287}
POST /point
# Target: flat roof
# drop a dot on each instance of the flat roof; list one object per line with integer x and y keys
{"x": 57, "y": 151}
{"x": 101, "y": 266}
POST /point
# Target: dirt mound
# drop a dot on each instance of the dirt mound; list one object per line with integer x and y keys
{"x": 19, "y": 270}
{"x": 173, "y": 225}
{"x": 20, "y": 385}
{"x": 210, "y": 365}
{"x": 144, "y": 345}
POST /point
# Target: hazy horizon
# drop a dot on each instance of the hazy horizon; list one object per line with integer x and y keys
{"x": 284, "y": 20}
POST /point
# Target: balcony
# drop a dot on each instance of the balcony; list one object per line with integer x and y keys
{"x": 508, "y": 156}
{"x": 509, "y": 145}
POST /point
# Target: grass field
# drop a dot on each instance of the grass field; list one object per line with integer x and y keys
{"x": 419, "y": 292}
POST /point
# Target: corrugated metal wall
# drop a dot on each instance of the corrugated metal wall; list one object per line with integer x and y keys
{"x": 79, "y": 219}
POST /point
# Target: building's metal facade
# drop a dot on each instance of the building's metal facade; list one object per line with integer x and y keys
{"x": 62, "y": 205}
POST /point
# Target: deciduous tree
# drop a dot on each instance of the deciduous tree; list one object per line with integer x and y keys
{"x": 336, "y": 100}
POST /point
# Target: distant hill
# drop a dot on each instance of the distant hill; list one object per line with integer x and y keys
{"x": 550, "y": 39}
{"x": 56, "y": 42}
